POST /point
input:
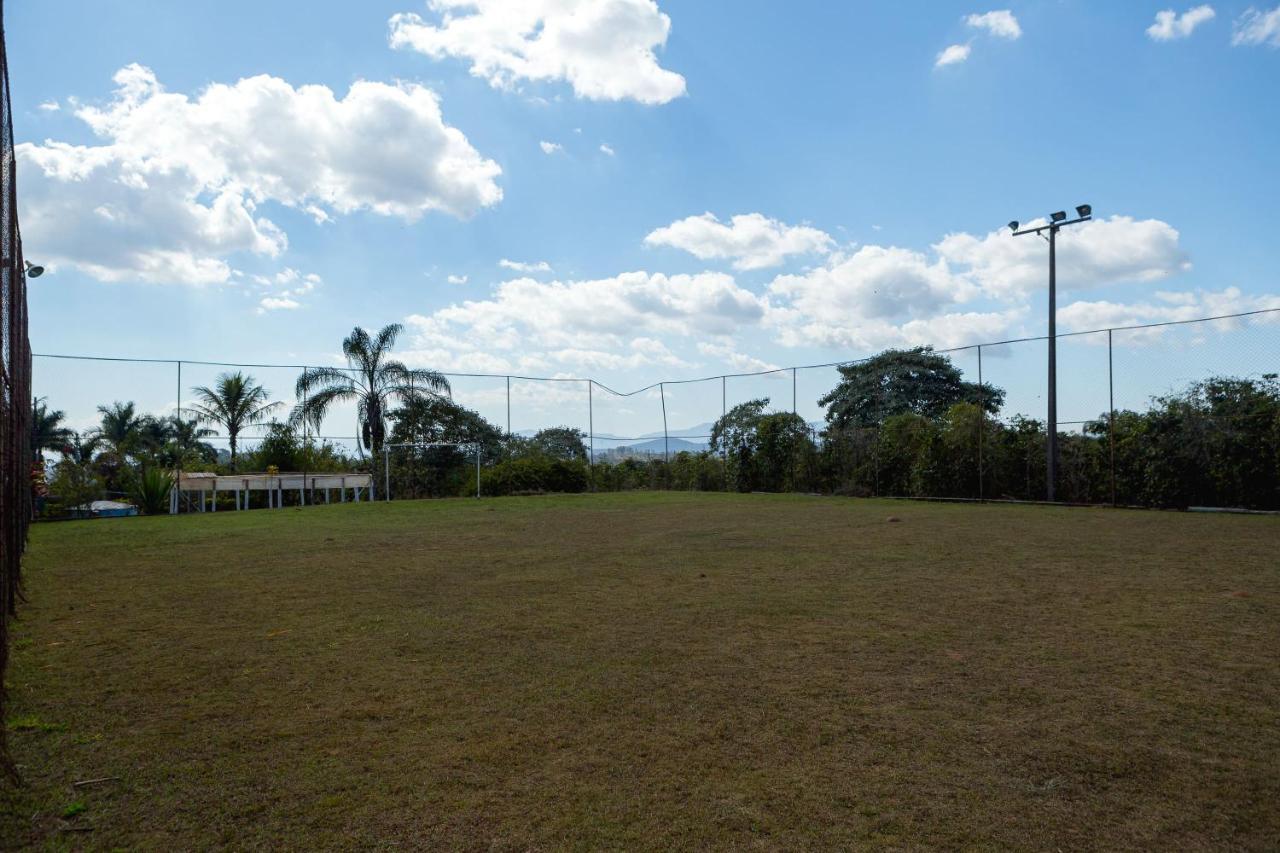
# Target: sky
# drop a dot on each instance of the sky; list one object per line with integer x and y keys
{"x": 637, "y": 191}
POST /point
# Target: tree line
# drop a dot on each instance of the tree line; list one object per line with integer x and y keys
{"x": 903, "y": 423}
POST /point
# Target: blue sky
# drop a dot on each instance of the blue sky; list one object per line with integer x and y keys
{"x": 680, "y": 188}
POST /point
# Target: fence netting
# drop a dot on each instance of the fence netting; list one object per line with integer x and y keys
{"x": 1168, "y": 414}
{"x": 15, "y": 351}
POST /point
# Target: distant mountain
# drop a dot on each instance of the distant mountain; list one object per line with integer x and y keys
{"x": 652, "y": 447}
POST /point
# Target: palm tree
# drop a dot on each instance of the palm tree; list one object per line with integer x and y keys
{"x": 119, "y": 429}
{"x": 372, "y": 381}
{"x": 82, "y": 446}
{"x": 235, "y": 402}
{"x": 184, "y": 439}
{"x": 47, "y": 432}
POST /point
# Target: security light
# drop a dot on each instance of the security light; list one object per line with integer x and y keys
{"x": 34, "y": 271}
{"x": 1059, "y": 216}
{"x": 1013, "y": 226}
{"x": 1084, "y": 210}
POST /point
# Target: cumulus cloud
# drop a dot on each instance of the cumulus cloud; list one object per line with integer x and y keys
{"x": 1101, "y": 252}
{"x": 1256, "y": 27}
{"x": 1165, "y": 307}
{"x": 456, "y": 279}
{"x": 525, "y": 267}
{"x": 1000, "y": 23}
{"x": 1169, "y": 25}
{"x": 289, "y": 287}
{"x": 606, "y": 148}
{"x": 550, "y": 147}
{"x": 528, "y": 323}
{"x": 604, "y": 49}
{"x": 177, "y": 182}
{"x": 954, "y": 54}
{"x": 751, "y": 241}
{"x": 50, "y": 106}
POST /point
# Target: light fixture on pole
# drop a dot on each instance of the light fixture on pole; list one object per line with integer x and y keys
{"x": 1084, "y": 213}
{"x": 33, "y": 271}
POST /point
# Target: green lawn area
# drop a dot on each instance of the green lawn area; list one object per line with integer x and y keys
{"x": 650, "y": 671}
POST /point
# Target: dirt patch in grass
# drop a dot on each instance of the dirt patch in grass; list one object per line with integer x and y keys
{"x": 650, "y": 671}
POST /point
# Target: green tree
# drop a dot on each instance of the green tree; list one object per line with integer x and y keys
{"x": 373, "y": 381}
{"x": 119, "y": 429}
{"x": 897, "y": 382}
{"x": 186, "y": 444}
{"x": 47, "y": 431}
{"x": 560, "y": 442}
{"x": 234, "y": 402}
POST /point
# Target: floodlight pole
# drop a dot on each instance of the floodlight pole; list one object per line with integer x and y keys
{"x": 1051, "y": 425}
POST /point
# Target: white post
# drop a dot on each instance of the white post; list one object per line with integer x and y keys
{"x": 215, "y": 498}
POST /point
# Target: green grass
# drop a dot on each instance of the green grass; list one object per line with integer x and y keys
{"x": 650, "y": 671}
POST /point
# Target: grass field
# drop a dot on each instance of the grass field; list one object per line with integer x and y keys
{"x": 650, "y": 671}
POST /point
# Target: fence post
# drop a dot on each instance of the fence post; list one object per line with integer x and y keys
{"x": 666, "y": 442}
{"x": 591, "y": 432}
{"x": 982, "y": 420}
{"x": 508, "y": 417}
{"x": 178, "y": 476}
{"x": 386, "y": 470}
{"x": 724, "y": 410}
{"x": 306, "y": 446}
{"x": 1111, "y": 418}
{"x": 794, "y": 408}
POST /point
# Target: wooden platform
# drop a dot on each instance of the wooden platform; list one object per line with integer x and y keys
{"x": 199, "y": 491}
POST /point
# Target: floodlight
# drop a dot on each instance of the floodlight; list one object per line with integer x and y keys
{"x": 34, "y": 271}
{"x": 1013, "y": 226}
{"x": 1059, "y": 216}
{"x": 1084, "y": 210}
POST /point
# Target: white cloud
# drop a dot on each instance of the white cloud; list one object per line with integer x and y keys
{"x": 604, "y": 49}
{"x": 1101, "y": 252}
{"x": 550, "y": 147}
{"x": 1166, "y": 307}
{"x": 606, "y": 148}
{"x": 1257, "y": 27}
{"x": 520, "y": 266}
{"x": 457, "y": 279}
{"x": 952, "y": 55}
{"x": 289, "y": 286}
{"x": 857, "y": 299}
{"x": 277, "y": 303}
{"x": 1001, "y": 24}
{"x": 1169, "y": 25}
{"x": 740, "y": 362}
{"x": 751, "y": 241}
{"x": 177, "y": 183}
{"x": 527, "y": 322}
{"x": 50, "y": 106}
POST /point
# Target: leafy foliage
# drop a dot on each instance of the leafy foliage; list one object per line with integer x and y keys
{"x": 151, "y": 489}
{"x": 234, "y": 402}
{"x": 898, "y": 382}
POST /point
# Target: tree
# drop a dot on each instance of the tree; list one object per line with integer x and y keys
{"x": 560, "y": 442}
{"x": 897, "y": 382}
{"x": 185, "y": 441}
{"x": 372, "y": 382}
{"x": 119, "y": 429}
{"x": 47, "y": 432}
{"x": 235, "y": 402}
{"x": 763, "y": 451}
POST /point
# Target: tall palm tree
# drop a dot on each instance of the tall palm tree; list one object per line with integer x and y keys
{"x": 235, "y": 402}
{"x": 184, "y": 439}
{"x": 47, "y": 431}
{"x": 119, "y": 428}
{"x": 82, "y": 446}
{"x": 371, "y": 382}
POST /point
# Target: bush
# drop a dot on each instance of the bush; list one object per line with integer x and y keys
{"x": 535, "y": 474}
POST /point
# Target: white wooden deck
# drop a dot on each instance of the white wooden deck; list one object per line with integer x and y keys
{"x": 199, "y": 491}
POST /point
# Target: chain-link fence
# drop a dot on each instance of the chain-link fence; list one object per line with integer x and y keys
{"x": 15, "y": 436}
{"x": 1167, "y": 414}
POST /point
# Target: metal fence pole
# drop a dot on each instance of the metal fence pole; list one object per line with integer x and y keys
{"x": 724, "y": 411}
{"x": 306, "y": 447}
{"x": 477, "y": 470}
{"x": 666, "y": 442}
{"x": 177, "y": 480}
{"x": 982, "y": 420}
{"x": 794, "y": 407}
{"x": 1111, "y": 418}
{"x": 591, "y": 431}
{"x": 508, "y": 417}
{"x": 386, "y": 470}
